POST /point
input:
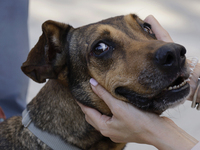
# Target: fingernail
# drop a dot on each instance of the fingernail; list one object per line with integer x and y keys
{"x": 93, "y": 82}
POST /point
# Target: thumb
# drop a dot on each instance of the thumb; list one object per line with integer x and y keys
{"x": 160, "y": 32}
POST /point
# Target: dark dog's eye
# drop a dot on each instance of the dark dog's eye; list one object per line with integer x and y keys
{"x": 147, "y": 28}
{"x": 100, "y": 48}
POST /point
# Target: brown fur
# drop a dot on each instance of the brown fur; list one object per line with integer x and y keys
{"x": 129, "y": 70}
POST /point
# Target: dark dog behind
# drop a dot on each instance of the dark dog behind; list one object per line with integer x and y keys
{"x": 121, "y": 53}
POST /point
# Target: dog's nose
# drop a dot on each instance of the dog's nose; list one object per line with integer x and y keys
{"x": 171, "y": 56}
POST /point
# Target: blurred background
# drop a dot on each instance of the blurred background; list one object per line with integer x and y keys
{"x": 181, "y": 18}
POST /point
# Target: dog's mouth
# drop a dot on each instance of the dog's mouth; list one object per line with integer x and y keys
{"x": 177, "y": 84}
{"x": 173, "y": 94}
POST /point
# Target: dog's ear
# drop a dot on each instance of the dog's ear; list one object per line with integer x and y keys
{"x": 48, "y": 57}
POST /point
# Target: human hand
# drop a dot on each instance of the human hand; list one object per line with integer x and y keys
{"x": 129, "y": 124}
{"x": 158, "y": 30}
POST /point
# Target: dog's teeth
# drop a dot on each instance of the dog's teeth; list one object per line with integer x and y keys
{"x": 170, "y": 88}
{"x": 187, "y": 80}
{"x": 178, "y": 86}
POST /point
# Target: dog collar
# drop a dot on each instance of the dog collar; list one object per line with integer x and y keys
{"x": 53, "y": 141}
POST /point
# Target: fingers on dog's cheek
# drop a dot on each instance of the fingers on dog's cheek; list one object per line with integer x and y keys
{"x": 93, "y": 117}
{"x": 104, "y": 95}
{"x": 81, "y": 106}
{"x": 87, "y": 118}
{"x": 149, "y": 19}
{"x": 88, "y": 111}
{"x": 160, "y": 32}
{"x": 97, "y": 90}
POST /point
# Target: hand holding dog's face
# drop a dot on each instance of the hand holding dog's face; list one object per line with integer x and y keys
{"x": 121, "y": 53}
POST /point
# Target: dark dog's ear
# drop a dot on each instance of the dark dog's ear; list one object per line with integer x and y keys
{"x": 48, "y": 57}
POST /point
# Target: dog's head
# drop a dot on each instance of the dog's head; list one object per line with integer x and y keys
{"x": 121, "y": 53}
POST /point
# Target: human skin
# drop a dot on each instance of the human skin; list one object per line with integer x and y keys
{"x": 139, "y": 126}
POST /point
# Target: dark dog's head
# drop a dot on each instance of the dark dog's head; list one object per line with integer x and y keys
{"x": 121, "y": 53}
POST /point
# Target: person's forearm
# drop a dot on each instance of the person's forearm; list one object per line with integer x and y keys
{"x": 171, "y": 137}
{"x": 196, "y": 147}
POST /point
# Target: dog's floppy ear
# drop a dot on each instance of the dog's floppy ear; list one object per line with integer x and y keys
{"x": 48, "y": 57}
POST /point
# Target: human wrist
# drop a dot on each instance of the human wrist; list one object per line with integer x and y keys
{"x": 168, "y": 136}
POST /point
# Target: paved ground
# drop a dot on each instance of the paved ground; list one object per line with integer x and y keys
{"x": 181, "y": 18}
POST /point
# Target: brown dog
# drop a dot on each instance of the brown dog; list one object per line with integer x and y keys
{"x": 121, "y": 53}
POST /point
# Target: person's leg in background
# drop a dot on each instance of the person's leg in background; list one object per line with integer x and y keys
{"x": 14, "y": 48}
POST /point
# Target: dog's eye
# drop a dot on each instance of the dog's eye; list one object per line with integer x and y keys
{"x": 100, "y": 48}
{"x": 147, "y": 28}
